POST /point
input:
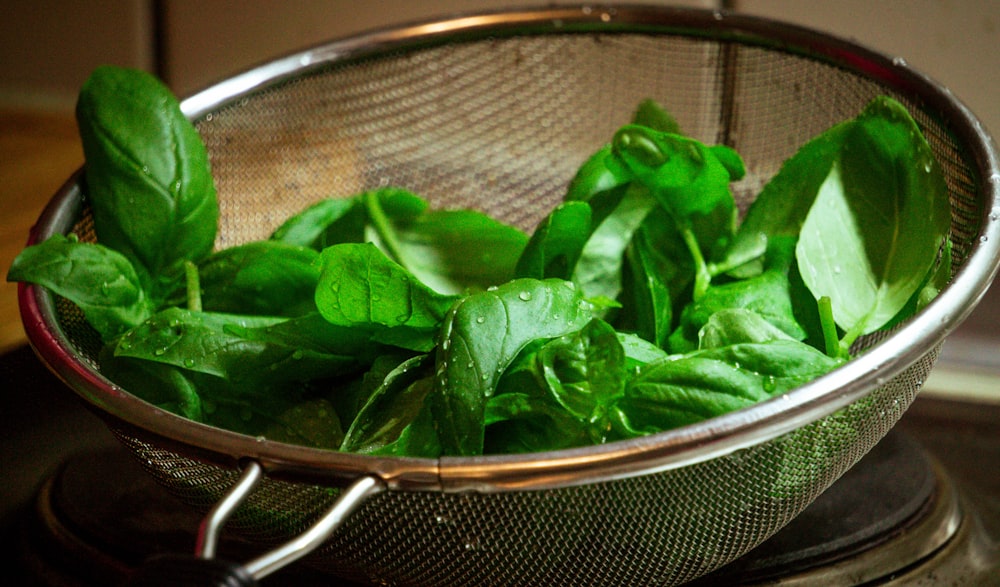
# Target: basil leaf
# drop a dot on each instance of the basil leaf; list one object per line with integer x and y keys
{"x": 879, "y": 221}
{"x": 687, "y": 177}
{"x": 685, "y": 389}
{"x": 160, "y": 384}
{"x": 598, "y": 269}
{"x": 783, "y": 203}
{"x": 352, "y": 393}
{"x": 481, "y": 334}
{"x": 396, "y": 419}
{"x": 600, "y": 173}
{"x": 651, "y": 114}
{"x": 677, "y": 392}
{"x": 313, "y": 422}
{"x": 219, "y": 345}
{"x": 735, "y": 326}
{"x": 255, "y": 406}
{"x": 555, "y": 246}
{"x": 347, "y": 220}
{"x": 360, "y": 286}
{"x": 639, "y": 351}
{"x": 311, "y": 331}
{"x": 453, "y": 251}
{"x": 936, "y": 281}
{"x": 147, "y": 176}
{"x": 325, "y": 223}
{"x": 779, "y": 364}
{"x": 99, "y": 280}
{"x": 659, "y": 272}
{"x": 691, "y": 182}
{"x": 769, "y": 294}
{"x": 263, "y": 277}
{"x": 584, "y": 373}
{"x": 526, "y": 422}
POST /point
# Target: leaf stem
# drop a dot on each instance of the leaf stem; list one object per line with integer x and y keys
{"x": 383, "y": 227}
{"x": 193, "y": 283}
{"x": 829, "y": 327}
{"x": 852, "y": 335}
{"x": 702, "y": 276}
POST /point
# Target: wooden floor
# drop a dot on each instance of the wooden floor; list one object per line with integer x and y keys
{"x": 38, "y": 152}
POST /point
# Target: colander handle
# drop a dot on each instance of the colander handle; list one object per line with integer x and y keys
{"x": 203, "y": 568}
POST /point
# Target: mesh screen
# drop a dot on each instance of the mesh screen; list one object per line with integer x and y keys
{"x": 501, "y": 125}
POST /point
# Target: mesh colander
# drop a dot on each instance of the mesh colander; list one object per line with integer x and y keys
{"x": 496, "y": 111}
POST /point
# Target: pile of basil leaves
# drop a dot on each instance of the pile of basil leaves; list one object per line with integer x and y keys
{"x": 377, "y": 325}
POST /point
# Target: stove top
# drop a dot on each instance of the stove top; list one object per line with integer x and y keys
{"x": 922, "y": 508}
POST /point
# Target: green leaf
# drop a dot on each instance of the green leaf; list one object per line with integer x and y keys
{"x": 221, "y": 345}
{"x": 327, "y": 222}
{"x": 598, "y": 269}
{"x": 879, "y": 221}
{"x": 783, "y": 203}
{"x": 936, "y": 281}
{"x": 99, "y": 280}
{"x": 348, "y": 220}
{"x": 479, "y": 338}
{"x": 556, "y": 244}
{"x": 256, "y": 406}
{"x": 584, "y": 373}
{"x": 350, "y": 393}
{"x": 600, "y": 173}
{"x": 453, "y": 251}
{"x": 147, "y": 175}
{"x": 678, "y": 392}
{"x": 360, "y": 286}
{"x": 639, "y": 351}
{"x": 313, "y": 422}
{"x": 263, "y": 277}
{"x": 311, "y": 331}
{"x": 736, "y": 326}
{"x": 525, "y": 423}
{"x": 691, "y": 182}
{"x": 685, "y": 389}
{"x": 769, "y": 294}
{"x": 160, "y": 384}
{"x": 659, "y": 273}
{"x": 687, "y": 177}
{"x": 651, "y": 114}
{"x": 396, "y": 418}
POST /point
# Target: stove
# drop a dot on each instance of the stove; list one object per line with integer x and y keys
{"x": 922, "y": 508}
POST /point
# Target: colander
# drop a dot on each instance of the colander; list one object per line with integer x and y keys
{"x": 495, "y": 111}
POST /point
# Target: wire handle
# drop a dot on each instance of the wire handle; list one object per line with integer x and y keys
{"x": 204, "y": 569}
{"x": 212, "y": 523}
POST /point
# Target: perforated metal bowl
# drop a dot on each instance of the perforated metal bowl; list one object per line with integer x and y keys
{"x": 496, "y": 111}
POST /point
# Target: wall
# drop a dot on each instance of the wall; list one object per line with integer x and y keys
{"x": 47, "y": 47}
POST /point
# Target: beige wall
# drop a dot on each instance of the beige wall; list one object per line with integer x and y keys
{"x": 47, "y": 47}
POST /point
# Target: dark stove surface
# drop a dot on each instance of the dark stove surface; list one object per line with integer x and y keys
{"x": 54, "y": 446}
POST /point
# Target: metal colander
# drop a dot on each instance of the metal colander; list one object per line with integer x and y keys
{"x": 496, "y": 111}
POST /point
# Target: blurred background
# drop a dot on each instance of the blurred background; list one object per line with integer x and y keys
{"x": 48, "y": 47}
